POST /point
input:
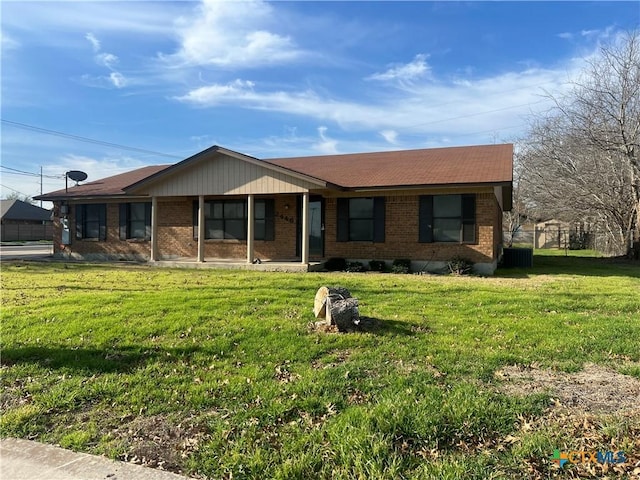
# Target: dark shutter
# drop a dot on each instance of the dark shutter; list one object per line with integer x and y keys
{"x": 378, "y": 219}
{"x": 343, "y": 220}
{"x": 469, "y": 218}
{"x": 147, "y": 221}
{"x": 269, "y": 219}
{"x": 425, "y": 219}
{"x": 124, "y": 220}
{"x": 79, "y": 221}
{"x": 195, "y": 219}
{"x": 102, "y": 208}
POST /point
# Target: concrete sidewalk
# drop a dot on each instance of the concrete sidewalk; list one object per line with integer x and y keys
{"x": 27, "y": 460}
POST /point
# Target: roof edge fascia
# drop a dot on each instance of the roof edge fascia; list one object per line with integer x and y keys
{"x": 78, "y": 198}
{"x": 504, "y": 183}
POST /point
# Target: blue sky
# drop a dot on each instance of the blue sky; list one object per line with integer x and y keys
{"x": 278, "y": 79}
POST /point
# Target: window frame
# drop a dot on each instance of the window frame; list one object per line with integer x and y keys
{"x": 126, "y": 221}
{"x": 267, "y": 218}
{"x": 82, "y": 220}
{"x": 369, "y": 219}
{"x": 467, "y": 219}
{"x": 345, "y": 230}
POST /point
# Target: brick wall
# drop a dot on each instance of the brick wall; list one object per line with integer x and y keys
{"x": 175, "y": 234}
{"x": 113, "y": 246}
{"x": 401, "y": 234}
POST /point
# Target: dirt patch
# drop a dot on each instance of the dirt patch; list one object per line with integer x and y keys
{"x": 158, "y": 442}
{"x": 594, "y": 389}
{"x": 341, "y": 356}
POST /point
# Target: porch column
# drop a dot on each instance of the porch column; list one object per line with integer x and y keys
{"x": 305, "y": 228}
{"x": 154, "y": 229}
{"x": 201, "y": 228}
{"x": 250, "y": 222}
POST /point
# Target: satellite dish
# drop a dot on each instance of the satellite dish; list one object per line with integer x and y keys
{"x": 77, "y": 175}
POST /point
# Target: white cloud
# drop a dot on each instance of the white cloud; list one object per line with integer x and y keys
{"x": 113, "y": 80}
{"x": 95, "y": 43}
{"x": 7, "y": 42}
{"x": 232, "y": 34}
{"x": 390, "y": 136}
{"x": 213, "y": 95}
{"x": 118, "y": 79}
{"x": 408, "y": 72}
{"x": 40, "y": 18}
{"x": 326, "y": 145}
{"x": 106, "y": 59}
{"x": 431, "y": 108}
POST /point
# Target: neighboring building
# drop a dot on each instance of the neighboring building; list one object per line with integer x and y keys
{"x": 552, "y": 233}
{"x": 21, "y": 221}
{"x": 426, "y": 205}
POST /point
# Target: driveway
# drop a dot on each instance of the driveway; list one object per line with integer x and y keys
{"x": 25, "y": 251}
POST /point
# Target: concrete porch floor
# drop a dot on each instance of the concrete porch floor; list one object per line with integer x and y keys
{"x": 237, "y": 264}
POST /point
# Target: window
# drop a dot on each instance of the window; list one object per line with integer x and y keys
{"x": 91, "y": 221}
{"x": 448, "y": 218}
{"x": 227, "y": 219}
{"x": 135, "y": 221}
{"x": 361, "y": 219}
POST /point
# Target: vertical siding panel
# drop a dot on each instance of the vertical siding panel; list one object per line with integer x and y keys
{"x": 223, "y": 175}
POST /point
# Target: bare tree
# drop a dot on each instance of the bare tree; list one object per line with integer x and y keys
{"x": 581, "y": 160}
{"x": 522, "y": 209}
{"x": 18, "y": 196}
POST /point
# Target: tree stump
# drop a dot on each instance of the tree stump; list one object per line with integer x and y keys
{"x": 337, "y": 307}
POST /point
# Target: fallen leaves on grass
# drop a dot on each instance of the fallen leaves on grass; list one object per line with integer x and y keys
{"x": 593, "y": 389}
{"x": 159, "y": 442}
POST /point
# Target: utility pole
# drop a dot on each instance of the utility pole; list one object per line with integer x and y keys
{"x": 40, "y": 185}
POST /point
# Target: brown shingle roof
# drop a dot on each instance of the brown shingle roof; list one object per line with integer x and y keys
{"x": 434, "y": 166}
{"x": 484, "y": 164}
{"x": 109, "y": 186}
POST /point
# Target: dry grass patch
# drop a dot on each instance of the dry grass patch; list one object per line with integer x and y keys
{"x": 594, "y": 389}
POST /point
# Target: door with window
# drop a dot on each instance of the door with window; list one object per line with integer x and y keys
{"x": 316, "y": 227}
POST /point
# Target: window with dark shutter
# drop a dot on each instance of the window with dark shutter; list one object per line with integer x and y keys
{"x": 447, "y": 218}
{"x": 135, "y": 221}
{"x": 361, "y": 219}
{"x": 91, "y": 221}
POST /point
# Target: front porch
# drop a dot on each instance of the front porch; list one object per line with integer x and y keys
{"x": 237, "y": 264}
{"x": 287, "y": 228}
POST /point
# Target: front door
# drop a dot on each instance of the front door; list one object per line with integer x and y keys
{"x": 316, "y": 227}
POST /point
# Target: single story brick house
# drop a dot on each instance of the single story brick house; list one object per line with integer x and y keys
{"x": 427, "y": 205}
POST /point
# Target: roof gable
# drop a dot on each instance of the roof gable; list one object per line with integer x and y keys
{"x": 219, "y": 171}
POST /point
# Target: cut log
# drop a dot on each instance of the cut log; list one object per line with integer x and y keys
{"x": 337, "y": 307}
{"x": 343, "y": 312}
{"x": 320, "y": 302}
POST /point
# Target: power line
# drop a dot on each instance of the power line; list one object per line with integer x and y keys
{"x": 15, "y": 171}
{"x": 14, "y": 190}
{"x": 477, "y": 114}
{"x": 85, "y": 139}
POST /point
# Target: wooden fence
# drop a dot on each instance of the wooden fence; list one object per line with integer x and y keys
{"x": 21, "y": 233}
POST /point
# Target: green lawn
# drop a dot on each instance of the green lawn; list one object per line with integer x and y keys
{"x": 217, "y": 373}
